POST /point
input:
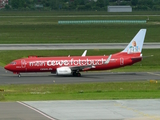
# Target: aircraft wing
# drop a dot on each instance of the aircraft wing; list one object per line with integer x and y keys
{"x": 108, "y": 59}
{"x": 87, "y": 67}
{"x": 81, "y": 68}
{"x": 84, "y": 53}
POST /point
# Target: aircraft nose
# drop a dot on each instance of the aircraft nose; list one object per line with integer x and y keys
{"x": 7, "y": 67}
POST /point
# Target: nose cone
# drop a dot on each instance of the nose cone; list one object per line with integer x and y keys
{"x": 8, "y": 67}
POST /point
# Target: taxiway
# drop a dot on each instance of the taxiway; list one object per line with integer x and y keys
{"x": 146, "y": 109}
{"x": 100, "y": 76}
{"x": 69, "y": 46}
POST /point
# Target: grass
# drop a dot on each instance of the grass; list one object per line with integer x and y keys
{"x": 147, "y": 64}
{"x": 43, "y": 27}
{"x": 85, "y": 91}
{"x": 59, "y": 13}
{"x": 50, "y": 33}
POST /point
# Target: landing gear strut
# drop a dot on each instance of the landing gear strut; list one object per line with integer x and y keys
{"x": 77, "y": 74}
{"x": 19, "y": 75}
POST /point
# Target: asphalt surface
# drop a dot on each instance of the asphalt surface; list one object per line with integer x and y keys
{"x": 16, "y": 111}
{"x": 100, "y": 76}
{"x": 23, "y": 16}
{"x": 73, "y": 46}
{"x": 100, "y": 109}
{"x": 146, "y": 109}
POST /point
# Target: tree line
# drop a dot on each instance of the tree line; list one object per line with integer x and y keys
{"x": 80, "y": 5}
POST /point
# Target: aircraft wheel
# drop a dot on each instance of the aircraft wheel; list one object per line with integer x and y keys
{"x": 56, "y": 73}
{"x": 74, "y": 74}
{"x": 78, "y": 74}
{"x": 19, "y": 75}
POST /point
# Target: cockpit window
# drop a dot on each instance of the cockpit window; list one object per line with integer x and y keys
{"x": 13, "y": 63}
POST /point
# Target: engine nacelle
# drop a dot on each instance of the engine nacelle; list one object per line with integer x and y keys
{"x": 64, "y": 71}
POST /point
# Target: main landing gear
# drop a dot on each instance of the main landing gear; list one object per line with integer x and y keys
{"x": 76, "y": 74}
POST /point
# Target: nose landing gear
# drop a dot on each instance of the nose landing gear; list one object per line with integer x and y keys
{"x": 19, "y": 75}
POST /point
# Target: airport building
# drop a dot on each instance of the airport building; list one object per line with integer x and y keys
{"x": 119, "y": 9}
{"x": 3, "y": 3}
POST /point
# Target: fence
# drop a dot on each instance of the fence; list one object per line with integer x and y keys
{"x": 101, "y": 21}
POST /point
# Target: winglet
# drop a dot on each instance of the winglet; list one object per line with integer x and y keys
{"x": 108, "y": 59}
{"x": 137, "y": 42}
{"x": 84, "y": 53}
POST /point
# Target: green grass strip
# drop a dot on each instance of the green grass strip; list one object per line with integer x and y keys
{"x": 25, "y": 27}
{"x": 85, "y": 91}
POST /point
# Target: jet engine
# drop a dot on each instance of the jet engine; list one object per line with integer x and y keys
{"x": 64, "y": 71}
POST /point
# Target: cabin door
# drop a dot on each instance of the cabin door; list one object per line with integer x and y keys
{"x": 121, "y": 61}
{"x": 23, "y": 65}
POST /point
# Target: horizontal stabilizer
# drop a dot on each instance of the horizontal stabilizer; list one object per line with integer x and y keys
{"x": 140, "y": 57}
{"x": 136, "y": 58}
{"x": 148, "y": 56}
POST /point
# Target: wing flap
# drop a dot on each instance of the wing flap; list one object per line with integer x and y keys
{"x": 82, "y": 68}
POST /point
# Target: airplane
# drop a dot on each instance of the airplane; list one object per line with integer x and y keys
{"x": 73, "y": 65}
